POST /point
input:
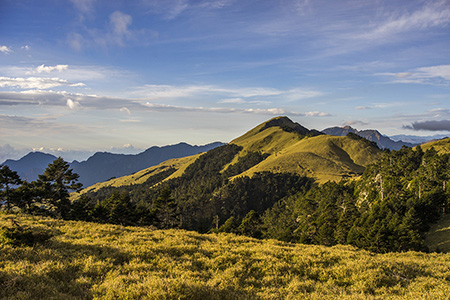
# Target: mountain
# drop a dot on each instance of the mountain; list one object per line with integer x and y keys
{"x": 103, "y": 165}
{"x": 284, "y": 147}
{"x": 31, "y": 165}
{"x": 382, "y": 141}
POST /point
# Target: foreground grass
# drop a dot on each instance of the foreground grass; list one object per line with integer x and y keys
{"x": 93, "y": 261}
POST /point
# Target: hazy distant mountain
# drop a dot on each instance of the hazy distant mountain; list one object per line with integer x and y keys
{"x": 416, "y": 139}
{"x": 31, "y": 165}
{"x": 103, "y": 165}
{"x": 372, "y": 135}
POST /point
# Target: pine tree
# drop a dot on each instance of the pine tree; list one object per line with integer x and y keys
{"x": 54, "y": 185}
{"x": 8, "y": 178}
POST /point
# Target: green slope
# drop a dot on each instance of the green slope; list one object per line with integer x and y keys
{"x": 84, "y": 260}
{"x": 179, "y": 164}
{"x": 441, "y": 146}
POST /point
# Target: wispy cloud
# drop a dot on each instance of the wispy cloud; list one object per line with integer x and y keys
{"x": 432, "y": 14}
{"x": 85, "y": 6}
{"x": 434, "y": 75}
{"x": 172, "y": 9}
{"x": 174, "y": 108}
{"x": 36, "y": 82}
{"x": 117, "y": 32}
{"x": 237, "y": 94}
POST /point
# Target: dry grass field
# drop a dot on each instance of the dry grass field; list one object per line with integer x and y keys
{"x": 80, "y": 260}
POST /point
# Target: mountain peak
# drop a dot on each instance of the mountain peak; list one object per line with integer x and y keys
{"x": 286, "y": 124}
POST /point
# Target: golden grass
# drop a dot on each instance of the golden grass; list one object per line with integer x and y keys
{"x": 140, "y": 177}
{"x": 93, "y": 261}
{"x": 322, "y": 157}
{"x": 441, "y": 146}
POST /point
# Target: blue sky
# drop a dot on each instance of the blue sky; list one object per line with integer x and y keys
{"x": 89, "y": 75}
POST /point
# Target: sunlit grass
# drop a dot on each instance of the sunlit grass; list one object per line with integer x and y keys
{"x": 93, "y": 261}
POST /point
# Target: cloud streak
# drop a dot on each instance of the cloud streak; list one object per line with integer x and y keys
{"x": 36, "y": 82}
{"x": 442, "y": 125}
{"x": 434, "y": 75}
{"x": 126, "y": 105}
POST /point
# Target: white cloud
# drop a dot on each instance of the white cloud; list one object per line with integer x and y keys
{"x": 5, "y": 49}
{"x": 317, "y": 114}
{"x": 48, "y": 69}
{"x": 73, "y": 105}
{"x": 233, "y": 100}
{"x": 125, "y": 110}
{"x": 35, "y": 82}
{"x": 26, "y": 48}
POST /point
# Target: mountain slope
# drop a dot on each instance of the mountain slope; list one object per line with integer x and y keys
{"x": 103, "y": 166}
{"x": 441, "y": 146}
{"x": 372, "y": 135}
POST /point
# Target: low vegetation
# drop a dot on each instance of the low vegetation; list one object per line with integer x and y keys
{"x": 81, "y": 260}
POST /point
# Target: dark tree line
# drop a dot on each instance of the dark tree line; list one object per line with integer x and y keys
{"x": 49, "y": 194}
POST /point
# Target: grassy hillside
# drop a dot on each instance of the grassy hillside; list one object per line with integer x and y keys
{"x": 93, "y": 261}
{"x": 179, "y": 164}
{"x": 441, "y": 146}
{"x": 322, "y": 157}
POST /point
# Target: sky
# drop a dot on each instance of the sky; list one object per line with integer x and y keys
{"x": 80, "y": 76}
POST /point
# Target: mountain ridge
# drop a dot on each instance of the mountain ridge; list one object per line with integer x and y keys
{"x": 105, "y": 165}
{"x": 373, "y": 135}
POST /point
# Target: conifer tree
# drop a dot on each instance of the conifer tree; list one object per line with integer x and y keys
{"x": 54, "y": 186}
{"x": 8, "y": 178}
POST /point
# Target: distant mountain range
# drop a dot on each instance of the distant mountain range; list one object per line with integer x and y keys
{"x": 382, "y": 141}
{"x": 103, "y": 165}
{"x": 416, "y": 139}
